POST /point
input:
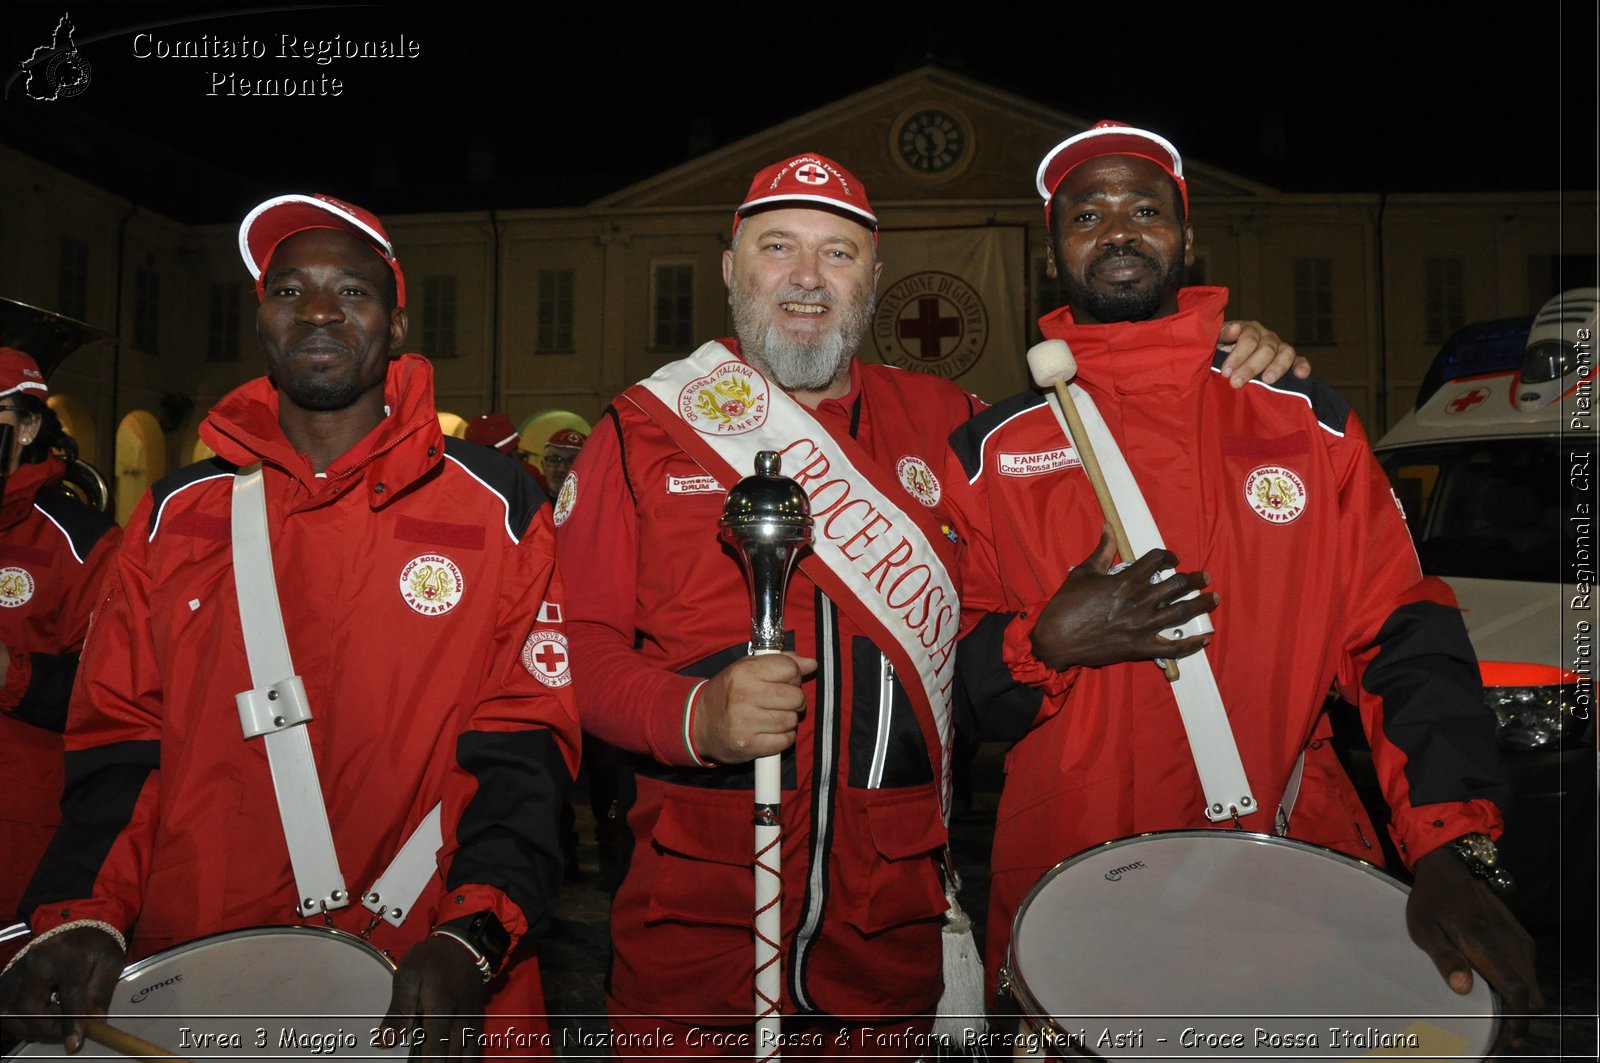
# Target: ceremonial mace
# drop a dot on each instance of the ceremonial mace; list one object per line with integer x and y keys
{"x": 767, "y": 521}
{"x": 1052, "y": 365}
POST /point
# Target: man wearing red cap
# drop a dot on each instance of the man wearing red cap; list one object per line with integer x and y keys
{"x": 1273, "y": 495}
{"x": 54, "y": 555}
{"x": 560, "y": 451}
{"x": 860, "y": 710}
{"x": 419, "y": 613}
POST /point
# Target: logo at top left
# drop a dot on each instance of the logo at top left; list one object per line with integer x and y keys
{"x": 57, "y": 71}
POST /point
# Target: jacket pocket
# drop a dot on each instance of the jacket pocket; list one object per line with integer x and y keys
{"x": 894, "y": 878}
{"x": 700, "y": 863}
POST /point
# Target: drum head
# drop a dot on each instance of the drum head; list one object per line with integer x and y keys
{"x": 1221, "y": 943}
{"x": 276, "y": 992}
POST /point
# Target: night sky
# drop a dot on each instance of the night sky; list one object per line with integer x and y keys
{"x": 1357, "y": 97}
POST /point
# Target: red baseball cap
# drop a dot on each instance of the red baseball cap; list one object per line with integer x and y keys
{"x": 808, "y": 180}
{"x": 494, "y": 430}
{"x": 19, "y": 372}
{"x": 1108, "y": 138}
{"x": 273, "y": 222}
{"x": 567, "y": 439}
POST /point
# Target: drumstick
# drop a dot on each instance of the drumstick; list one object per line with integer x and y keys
{"x": 1052, "y": 364}
{"x": 130, "y": 1045}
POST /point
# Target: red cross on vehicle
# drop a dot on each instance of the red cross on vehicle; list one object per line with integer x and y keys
{"x": 1463, "y": 403}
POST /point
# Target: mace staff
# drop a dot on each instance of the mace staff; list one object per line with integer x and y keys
{"x": 767, "y": 521}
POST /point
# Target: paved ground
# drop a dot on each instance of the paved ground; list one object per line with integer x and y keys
{"x": 574, "y": 954}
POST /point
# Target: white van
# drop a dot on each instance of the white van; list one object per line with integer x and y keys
{"x": 1495, "y": 470}
{"x": 1485, "y": 469}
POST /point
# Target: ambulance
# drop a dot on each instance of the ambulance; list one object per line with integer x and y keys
{"x": 1495, "y": 470}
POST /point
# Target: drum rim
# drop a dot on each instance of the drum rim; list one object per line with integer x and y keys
{"x": 267, "y": 930}
{"x": 1011, "y": 973}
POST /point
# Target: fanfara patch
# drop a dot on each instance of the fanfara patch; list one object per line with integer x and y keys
{"x": 1275, "y": 493}
{"x": 693, "y": 485}
{"x": 566, "y": 498}
{"x": 545, "y": 657}
{"x": 917, "y": 478}
{"x": 16, "y": 586}
{"x": 1037, "y": 463}
{"x": 730, "y": 401}
{"x": 431, "y": 584}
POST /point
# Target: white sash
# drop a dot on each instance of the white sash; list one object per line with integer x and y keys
{"x": 1205, "y": 720}
{"x": 276, "y": 710}
{"x": 862, "y": 536}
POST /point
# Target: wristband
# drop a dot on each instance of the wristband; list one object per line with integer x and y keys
{"x": 688, "y": 725}
{"x": 116, "y": 935}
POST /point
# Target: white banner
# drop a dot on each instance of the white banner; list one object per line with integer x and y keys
{"x": 953, "y": 302}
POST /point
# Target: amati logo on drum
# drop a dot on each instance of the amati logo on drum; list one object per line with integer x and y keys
{"x": 1115, "y": 874}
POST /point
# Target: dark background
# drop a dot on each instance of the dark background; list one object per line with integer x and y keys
{"x": 569, "y": 103}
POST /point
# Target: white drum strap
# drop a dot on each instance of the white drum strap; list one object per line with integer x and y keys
{"x": 276, "y": 711}
{"x": 1205, "y": 720}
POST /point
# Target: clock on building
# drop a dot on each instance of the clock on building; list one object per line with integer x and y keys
{"x": 932, "y": 141}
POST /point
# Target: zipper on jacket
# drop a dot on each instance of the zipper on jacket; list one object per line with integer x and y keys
{"x": 824, "y": 757}
{"x": 880, "y": 746}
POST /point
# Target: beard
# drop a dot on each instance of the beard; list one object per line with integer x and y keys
{"x": 1132, "y": 300}
{"x": 798, "y": 364}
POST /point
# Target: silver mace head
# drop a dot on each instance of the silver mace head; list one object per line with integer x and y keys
{"x": 767, "y": 521}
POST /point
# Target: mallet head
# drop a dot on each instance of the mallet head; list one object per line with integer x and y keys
{"x": 1052, "y": 362}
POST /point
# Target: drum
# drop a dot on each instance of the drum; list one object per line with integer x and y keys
{"x": 278, "y": 992}
{"x": 1220, "y": 943}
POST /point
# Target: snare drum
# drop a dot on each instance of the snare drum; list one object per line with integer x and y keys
{"x": 279, "y": 992}
{"x": 1227, "y": 944}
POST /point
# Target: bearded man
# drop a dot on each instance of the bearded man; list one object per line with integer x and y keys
{"x": 1273, "y": 495}
{"x": 859, "y": 710}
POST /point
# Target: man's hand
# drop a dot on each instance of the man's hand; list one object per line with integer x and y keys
{"x": 1097, "y": 618}
{"x": 1458, "y": 921}
{"x": 751, "y": 708}
{"x": 1255, "y": 350}
{"x": 47, "y": 995}
{"x": 438, "y": 996}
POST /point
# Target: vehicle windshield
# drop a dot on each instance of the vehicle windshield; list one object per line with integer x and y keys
{"x": 1488, "y": 508}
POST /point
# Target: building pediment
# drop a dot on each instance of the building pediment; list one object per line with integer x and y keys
{"x": 927, "y": 135}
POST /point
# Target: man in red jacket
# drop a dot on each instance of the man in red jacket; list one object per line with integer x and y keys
{"x": 419, "y": 601}
{"x": 1273, "y": 495}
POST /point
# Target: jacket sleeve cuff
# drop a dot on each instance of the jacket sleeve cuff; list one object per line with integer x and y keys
{"x": 458, "y": 908}
{"x": 1425, "y": 828}
{"x": 1017, "y": 650}
{"x": 50, "y": 915}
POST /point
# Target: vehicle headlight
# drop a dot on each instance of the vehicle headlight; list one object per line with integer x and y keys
{"x": 1540, "y": 717}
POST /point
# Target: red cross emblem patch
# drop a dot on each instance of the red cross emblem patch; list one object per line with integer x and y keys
{"x": 545, "y": 657}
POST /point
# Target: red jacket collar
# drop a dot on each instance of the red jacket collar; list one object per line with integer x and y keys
{"x": 243, "y": 429}
{"x": 24, "y": 484}
{"x": 1134, "y": 356}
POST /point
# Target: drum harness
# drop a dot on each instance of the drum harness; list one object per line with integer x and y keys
{"x": 276, "y": 711}
{"x": 1205, "y": 719}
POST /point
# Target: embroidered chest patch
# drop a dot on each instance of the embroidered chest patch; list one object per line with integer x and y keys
{"x": 1037, "y": 463}
{"x": 917, "y": 478}
{"x": 431, "y": 584}
{"x": 729, "y": 401}
{"x": 1276, "y": 494}
{"x": 545, "y": 657}
{"x": 693, "y": 485}
{"x": 566, "y": 499}
{"x": 16, "y": 586}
